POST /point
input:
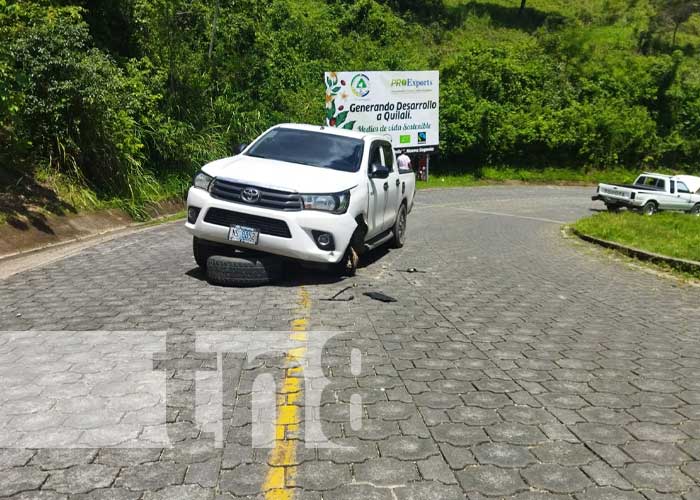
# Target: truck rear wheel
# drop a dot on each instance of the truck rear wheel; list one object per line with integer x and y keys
{"x": 613, "y": 208}
{"x": 650, "y": 208}
{"x": 400, "y": 228}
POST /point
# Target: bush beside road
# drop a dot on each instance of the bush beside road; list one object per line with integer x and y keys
{"x": 671, "y": 234}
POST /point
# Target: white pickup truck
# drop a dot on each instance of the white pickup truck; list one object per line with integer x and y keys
{"x": 653, "y": 192}
{"x": 316, "y": 194}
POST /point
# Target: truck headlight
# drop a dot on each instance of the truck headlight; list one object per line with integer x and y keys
{"x": 336, "y": 203}
{"x": 202, "y": 181}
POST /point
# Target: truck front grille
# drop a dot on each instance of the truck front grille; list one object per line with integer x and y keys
{"x": 269, "y": 198}
{"x": 265, "y": 225}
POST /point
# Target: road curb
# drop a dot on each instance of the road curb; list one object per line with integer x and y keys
{"x": 690, "y": 266}
{"x": 112, "y": 231}
{"x": 36, "y": 257}
{"x": 30, "y": 232}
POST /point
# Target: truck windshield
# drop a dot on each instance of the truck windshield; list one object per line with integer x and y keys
{"x": 310, "y": 148}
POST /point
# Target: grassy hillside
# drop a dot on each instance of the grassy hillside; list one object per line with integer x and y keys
{"x": 671, "y": 234}
{"x": 120, "y": 101}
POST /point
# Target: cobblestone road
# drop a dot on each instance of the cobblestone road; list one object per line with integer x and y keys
{"x": 519, "y": 364}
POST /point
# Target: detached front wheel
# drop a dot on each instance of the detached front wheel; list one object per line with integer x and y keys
{"x": 244, "y": 270}
{"x": 650, "y": 208}
{"x": 203, "y": 249}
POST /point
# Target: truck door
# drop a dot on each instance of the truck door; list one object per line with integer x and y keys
{"x": 394, "y": 191}
{"x": 665, "y": 194}
{"x": 377, "y": 194}
{"x": 684, "y": 199}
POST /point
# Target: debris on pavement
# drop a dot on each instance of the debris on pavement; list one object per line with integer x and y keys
{"x": 335, "y": 298}
{"x": 411, "y": 270}
{"x": 379, "y": 296}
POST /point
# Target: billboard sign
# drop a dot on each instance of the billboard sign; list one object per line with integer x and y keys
{"x": 401, "y": 105}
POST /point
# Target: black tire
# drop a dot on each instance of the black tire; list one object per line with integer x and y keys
{"x": 695, "y": 210}
{"x": 202, "y": 250}
{"x": 400, "y": 228}
{"x": 348, "y": 264}
{"x": 243, "y": 271}
{"x": 613, "y": 208}
{"x": 650, "y": 208}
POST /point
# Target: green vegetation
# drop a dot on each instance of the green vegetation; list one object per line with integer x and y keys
{"x": 671, "y": 234}
{"x": 120, "y": 101}
{"x": 547, "y": 175}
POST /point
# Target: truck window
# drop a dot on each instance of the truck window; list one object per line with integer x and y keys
{"x": 673, "y": 187}
{"x": 641, "y": 180}
{"x": 661, "y": 184}
{"x": 388, "y": 156}
{"x": 682, "y": 188}
{"x": 651, "y": 182}
{"x": 375, "y": 156}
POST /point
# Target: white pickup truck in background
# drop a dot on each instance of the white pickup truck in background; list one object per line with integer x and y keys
{"x": 653, "y": 192}
{"x": 315, "y": 194}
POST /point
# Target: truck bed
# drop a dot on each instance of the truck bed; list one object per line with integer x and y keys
{"x": 636, "y": 187}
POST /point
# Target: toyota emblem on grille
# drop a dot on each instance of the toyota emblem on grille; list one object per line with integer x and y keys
{"x": 250, "y": 195}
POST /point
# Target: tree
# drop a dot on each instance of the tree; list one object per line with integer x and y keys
{"x": 671, "y": 14}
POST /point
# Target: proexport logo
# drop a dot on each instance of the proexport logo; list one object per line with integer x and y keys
{"x": 411, "y": 84}
{"x": 360, "y": 85}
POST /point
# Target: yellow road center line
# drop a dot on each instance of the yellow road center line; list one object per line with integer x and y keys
{"x": 282, "y": 472}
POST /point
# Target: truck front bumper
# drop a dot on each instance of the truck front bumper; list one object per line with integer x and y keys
{"x": 301, "y": 243}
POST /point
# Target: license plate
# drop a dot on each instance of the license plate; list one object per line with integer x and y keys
{"x": 612, "y": 192}
{"x": 244, "y": 234}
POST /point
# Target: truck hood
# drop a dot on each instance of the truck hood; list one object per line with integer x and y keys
{"x": 281, "y": 175}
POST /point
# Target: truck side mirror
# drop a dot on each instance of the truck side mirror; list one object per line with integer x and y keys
{"x": 239, "y": 148}
{"x": 378, "y": 171}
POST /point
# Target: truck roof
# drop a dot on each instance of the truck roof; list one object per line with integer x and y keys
{"x": 662, "y": 176}
{"x": 326, "y": 130}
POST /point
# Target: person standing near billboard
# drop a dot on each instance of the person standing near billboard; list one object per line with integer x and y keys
{"x": 404, "y": 162}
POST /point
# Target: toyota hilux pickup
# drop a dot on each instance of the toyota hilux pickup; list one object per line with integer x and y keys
{"x": 653, "y": 192}
{"x": 320, "y": 195}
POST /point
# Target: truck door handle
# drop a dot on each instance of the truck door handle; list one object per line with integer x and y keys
{"x": 386, "y": 186}
{"x": 398, "y": 182}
